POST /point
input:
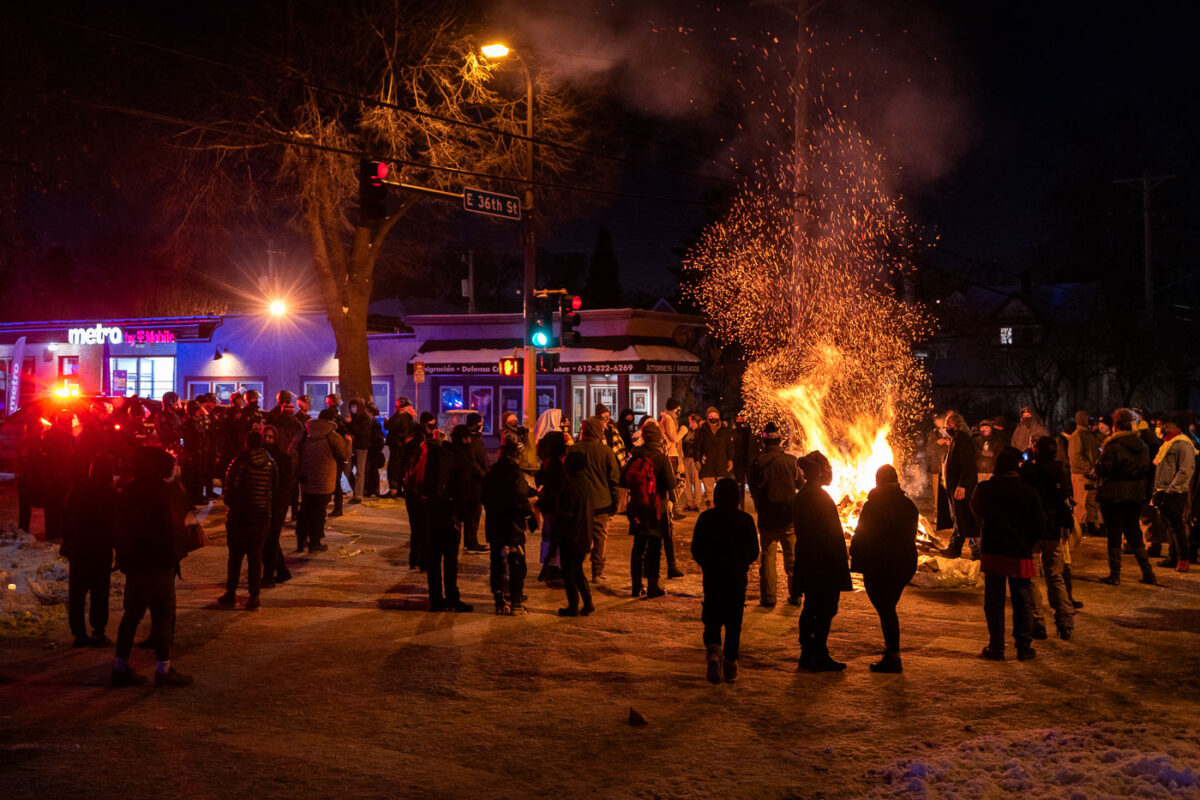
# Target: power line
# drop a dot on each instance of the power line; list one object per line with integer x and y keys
{"x": 264, "y": 138}
{"x": 374, "y": 101}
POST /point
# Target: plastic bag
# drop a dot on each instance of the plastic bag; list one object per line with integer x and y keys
{"x": 936, "y": 572}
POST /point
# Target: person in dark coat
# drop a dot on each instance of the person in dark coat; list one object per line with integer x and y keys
{"x": 1011, "y": 516}
{"x": 90, "y": 528}
{"x": 884, "y": 550}
{"x": 774, "y": 480}
{"x": 438, "y": 490}
{"x": 1045, "y": 473}
{"x": 745, "y": 451}
{"x": 194, "y": 460}
{"x": 32, "y": 474}
{"x": 988, "y": 443}
{"x": 1122, "y": 468}
{"x": 551, "y": 482}
{"x": 509, "y": 516}
{"x": 250, "y": 488}
{"x": 358, "y": 423}
{"x": 714, "y": 448}
{"x": 822, "y": 569}
{"x": 150, "y": 544}
{"x": 375, "y": 457}
{"x": 413, "y": 458}
{"x": 625, "y": 427}
{"x": 400, "y": 428}
{"x": 470, "y": 465}
{"x": 570, "y": 532}
{"x": 960, "y": 475}
{"x": 274, "y": 569}
{"x": 648, "y": 516}
{"x": 58, "y": 450}
{"x": 288, "y": 426}
{"x": 602, "y": 476}
{"x": 724, "y": 544}
{"x": 332, "y": 413}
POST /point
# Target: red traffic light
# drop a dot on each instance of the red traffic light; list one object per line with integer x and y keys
{"x": 377, "y": 172}
{"x": 576, "y": 302}
{"x": 510, "y": 367}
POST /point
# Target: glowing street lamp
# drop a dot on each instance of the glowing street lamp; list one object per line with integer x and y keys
{"x": 495, "y": 50}
{"x": 278, "y": 308}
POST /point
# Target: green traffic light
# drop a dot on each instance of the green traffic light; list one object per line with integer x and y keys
{"x": 540, "y": 338}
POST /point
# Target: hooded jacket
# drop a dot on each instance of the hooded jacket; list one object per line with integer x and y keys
{"x": 1028, "y": 431}
{"x": 774, "y": 480}
{"x": 885, "y": 541}
{"x": 1011, "y": 517}
{"x": 506, "y": 500}
{"x": 321, "y": 448}
{"x": 602, "y": 476}
{"x": 1082, "y": 448}
{"x": 725, "y": 544}
{"x": 1123, "y": 467}
{"x": 821, "y": 564}
{"x": 249, "y": 488}
{"x": 1174, "y": 464}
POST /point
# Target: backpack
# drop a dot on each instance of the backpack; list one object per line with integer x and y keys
{"x": 643, "y": 488}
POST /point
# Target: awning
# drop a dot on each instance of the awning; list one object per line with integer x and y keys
{"x": 657, "y": 359}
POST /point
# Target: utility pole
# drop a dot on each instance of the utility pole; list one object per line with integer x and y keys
{"x": 469, "y": 283}
{"x": 1147, "y": 184}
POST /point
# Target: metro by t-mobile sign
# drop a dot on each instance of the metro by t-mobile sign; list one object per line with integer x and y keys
{"x": 102, "y": 334}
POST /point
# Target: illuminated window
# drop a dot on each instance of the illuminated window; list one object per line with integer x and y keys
{"x": 1006, "y": 336}
{"x": 144, "y": 377}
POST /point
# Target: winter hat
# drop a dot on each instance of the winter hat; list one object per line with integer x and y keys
{"x": 593, "y": 428}
{"x": 510, "y": 445}
{"x": 986, "y": 423}
{"x": 672, "y": 404}
{"x": 1007, "y": 461}
{"x": 575, "y": 462}
{"x": 998, "y": 421}
{"x": 770, "y": 431}
{"x": 474, "y": 419}
{"x": 506, "y": 416}
{"x": 885, "y": 475}
{"x": 601, "y": 409}
{"x": 1105, "y": 419}
{"x": 711, "y": 410}
{"x": 1123, "y": 419}
{"x": 403, "y": 401}
{"x": 652, "y": 434}
{"x": 813, "y": 463}
{"x": 427, "y": 417}
{"x": 725, "y": 493}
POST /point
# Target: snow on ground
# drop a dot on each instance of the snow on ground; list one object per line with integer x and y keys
{"x": 33, "y": 579}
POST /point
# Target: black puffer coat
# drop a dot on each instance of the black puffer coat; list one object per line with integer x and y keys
{"x": 885, "y": 541}
{"x": 821, "y": 564}
{"x": 250, "y": 485}
{"x": 506, "y": 500}
{"x": 1123, "y": 468}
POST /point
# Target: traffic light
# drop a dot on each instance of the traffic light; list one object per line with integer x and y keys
{"x": 541, "y": 323}
{"x": 568, "y": 316}
{"x": 510, "y": 367}
{"x": 547, "y": 363}
{"x": 372, "y": 193}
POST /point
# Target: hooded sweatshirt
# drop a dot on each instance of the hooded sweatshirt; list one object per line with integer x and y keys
{"x": 320, "y": 451}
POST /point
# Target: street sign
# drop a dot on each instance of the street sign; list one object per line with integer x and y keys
{"x": 418, "y": 372}
{"x": 491, "y": 203}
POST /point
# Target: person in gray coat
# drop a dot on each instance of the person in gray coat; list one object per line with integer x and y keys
{"x": 600, "y": 478}
{"x": 321, "y": 451}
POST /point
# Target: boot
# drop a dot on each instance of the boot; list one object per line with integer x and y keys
{"x": 731, "y": 670}
{"x": 654, "y": 590}
{"x": 1113, "y": 579}
{"x": 890, "y": 663}
{"x": 715, "y": 659}
{"x": 502, "y": 608}
{"x": 1154, "y": 550}
{"x": 674, "y": 571}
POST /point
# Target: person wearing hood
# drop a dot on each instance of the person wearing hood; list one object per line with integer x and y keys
{"x": 274, "y": 568}
{"x": 150, "y": 544}
{"x": 1045, "y": 473}
{"x": 822, "y": 568}
{"x": 414, "y": 457}
{"x": 1083, "y": 450}
{"x": 625, "y": 427}
{"x": 508, "y": 519}
{"x": 400, "y": 427}
{"x": 1122, "y": 468}
{"x": 884, "y": 550}
{"x": 90, "y": 527}
{"x": 602, "y": 476}
{"x": 321, "y": 452}
{"x": 569, "y": 528}
{"x": 774, "y": 479}
{"x": 358, "y": 425}
{"x": 987, "y": 445}
{"x": 250, "y": 487}
{"x": 1028, "y": 430}
{"x": 714, "y": 447}
{"x": 1011, "y": 517}
{"x": 439, "y": 491}
{"x": 960, "y": 475}
{"x": 650, "y": 480}
{"x": 1174, "y": 465}
{"x": 745, "y": 451}
{"x": 724, "y": 544}
{"x": 470, "y": 465}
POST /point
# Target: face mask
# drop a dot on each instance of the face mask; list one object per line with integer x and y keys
{"x": 1158, "y": 432}
{"x": 713, "y": 421}
{"x": 353, "y": 409}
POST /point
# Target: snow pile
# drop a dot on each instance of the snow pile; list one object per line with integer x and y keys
{"x": 1047, "y": 764}
{"x": 935, "y": 572}
{"x": 33, "y": 578}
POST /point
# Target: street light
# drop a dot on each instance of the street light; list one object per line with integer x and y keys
{"x": 278, "y": 308}
{"x": 497, "y": 50}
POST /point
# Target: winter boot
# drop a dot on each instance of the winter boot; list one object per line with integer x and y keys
{"x": 715, "y": 659}
{"x": 227, "y": 599}
{"x": 890, "y": 663}
{"x": 1113, "y": 579}
{"x": 673, "y": 571}
{"x": 1039, "y": 630}
{"x": 502, "y": 607}
{"x": 654, "y": 590}
{"x": 731, "y": 670}
{"x": 126, "y": 677}
{"x": 1025, "y": 652}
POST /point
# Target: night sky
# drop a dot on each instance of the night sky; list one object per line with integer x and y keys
{"x": 1006, "y": 123}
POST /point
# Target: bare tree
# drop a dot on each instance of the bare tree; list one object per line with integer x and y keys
{"x": 396, "y": 80}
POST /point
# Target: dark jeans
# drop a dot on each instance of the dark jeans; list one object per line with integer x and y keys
{"x": 272, "y": 554}
{"x": 1170, "y": 509}
{"x": 54, "y": 512}
{"x": 966, "y": 527}
{"x": 337, "y": 488}
{"x": 816, "y": 618}
{"x": 574, "y": 579}
{"x": 87, "y": 578}
{"x": 1022, "y": 606}
{"x": 441, "y": 563}
{"x": 668, "y": 540}
{"x": 884, "y": 593}
{"x": 1122, "y": 519}
{"x": 517, "y": 570}
{"x": 724, "y": 610}
{"x": 470, "y": 522}
{"x": 246, "y": 540}
{"x": 310, "y": 528}
{"x": 153, "y": 591}
{"x": 418, "y": 526}
{"x": 645, "y": 560}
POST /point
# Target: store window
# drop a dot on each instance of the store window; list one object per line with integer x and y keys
{"x": 1006, "y": 335}
{"x": 319, "y": 388}
{"x": 151, "y": 377}
{"x": 68, "y": 367}
{"x": 481, "y": 402}
{"x": 224, "y": 388}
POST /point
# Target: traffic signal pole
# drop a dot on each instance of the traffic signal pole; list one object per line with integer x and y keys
{"x": 530, "y": 379}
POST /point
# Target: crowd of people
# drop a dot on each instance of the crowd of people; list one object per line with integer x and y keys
{"x": 127, "y": 481}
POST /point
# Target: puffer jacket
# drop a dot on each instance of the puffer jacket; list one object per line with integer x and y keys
{"x": 250, "y": 485}
{"x": 1123, "y": 468}
{"x": 321, "y": 448}
{"x": 774, "y": 480}
{"x": 885, "y": 541}
{"x": 506, "y": 499}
